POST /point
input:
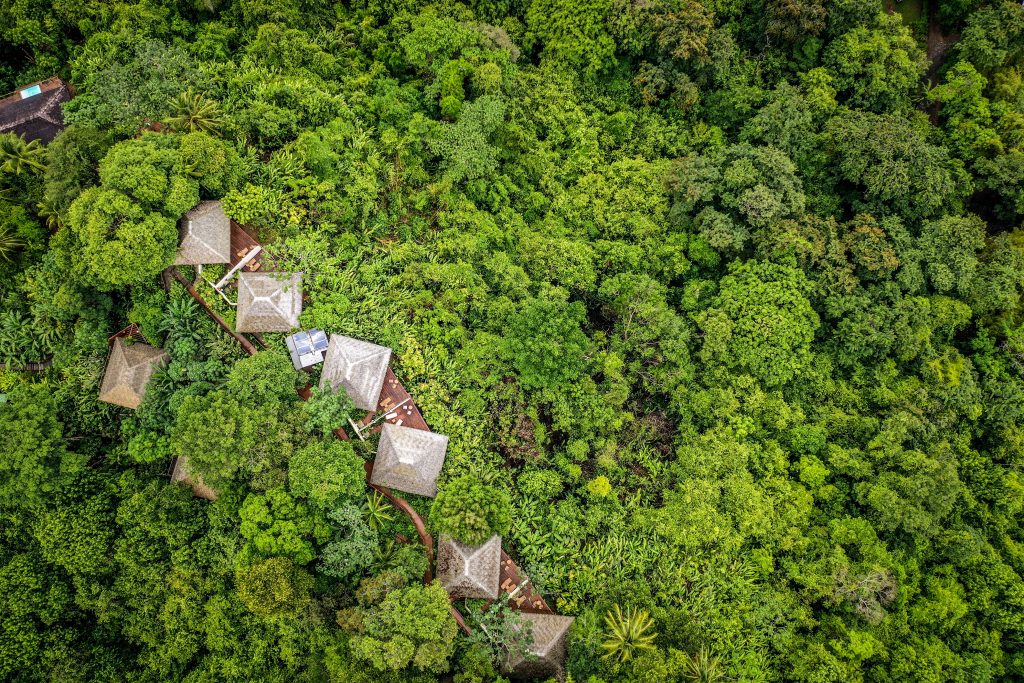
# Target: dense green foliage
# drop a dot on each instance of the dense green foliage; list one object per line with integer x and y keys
{"x": 470, "y": 511}
{"x": 719, "y": 303}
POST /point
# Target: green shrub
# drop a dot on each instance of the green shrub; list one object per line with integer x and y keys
{"x": 325, "y": 471}
{"x": 470, "y": 511}
{"x": 543, "y": 484}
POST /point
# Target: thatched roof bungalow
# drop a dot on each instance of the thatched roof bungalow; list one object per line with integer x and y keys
{"x": 409, "y": 460}
{"x": 205, "y": 236}
{"x": 358, "y": 366}
{"x": 268, "y": 302}
{"x": 548, "y": 649}
{"x": 469, "y": 571}
{"x": 129, "y": 368}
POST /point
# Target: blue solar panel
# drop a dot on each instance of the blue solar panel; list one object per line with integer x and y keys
{"x": 302, "y": 346}
{"x": 318, "y": 339}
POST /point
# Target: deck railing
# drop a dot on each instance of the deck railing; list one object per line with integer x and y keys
{"x": 52, "y": 83}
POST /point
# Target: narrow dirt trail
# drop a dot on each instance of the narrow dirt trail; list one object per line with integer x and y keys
{"x": 938, "y": 42}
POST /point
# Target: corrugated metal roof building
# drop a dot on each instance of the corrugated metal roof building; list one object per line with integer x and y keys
{"x": 34, "y": 111}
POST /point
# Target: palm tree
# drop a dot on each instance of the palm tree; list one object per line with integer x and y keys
{"x": 18, "y": 156}
{"x": 377, "y": 510}
{"x": 194, "y": 112}
{"x": 628, "y": 633}
{"x": 45, "y": 210}
{"x": 8, "y": 244}
{"x": 703, "y": 667}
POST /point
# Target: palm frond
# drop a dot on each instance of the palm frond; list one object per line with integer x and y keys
{"x": 194, "y": 112}
{"x": 628, "y": 633}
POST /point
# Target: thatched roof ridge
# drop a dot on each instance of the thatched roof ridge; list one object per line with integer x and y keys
{"x": 129, "y": 368}
{"x": 409, "y": 460}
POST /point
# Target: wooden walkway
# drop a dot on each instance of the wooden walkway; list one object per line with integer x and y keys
{"x": 246, "y": 344}
{"x": 406, "y": 414}
{"x": 132, "y": 331}
{"x": 421, "y": 529}
{"x": 512, "y": 578}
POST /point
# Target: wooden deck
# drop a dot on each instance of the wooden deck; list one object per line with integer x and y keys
{"x": 242, "y": 242}
{"x": 510, "y": 579}
{"x": 406, "y": 414}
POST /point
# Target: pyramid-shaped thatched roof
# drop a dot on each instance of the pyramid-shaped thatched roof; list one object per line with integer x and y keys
{"x": 409, "y": 460}
{"x": 358, "y": 366}
{"x": 129, "y": 368}
{"x": 549, "y": 634}
{"x": 268, "y": 302}
{"x": 205, "y": 235}
{"x": 199, "y": 488}
{"x": 469, "y": 571}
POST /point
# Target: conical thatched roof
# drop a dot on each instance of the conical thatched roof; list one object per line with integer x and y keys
{"x": 358, "y": 366}
{"x": 549, "y": 633}
{"x": 199, "y": 488}
{"x": 469, "y": 571}
{"x": 268, "y": 302}
{"x": 129, "y": 368}
{"x": 409, "y": 460}
{"x": 205, "y": 235}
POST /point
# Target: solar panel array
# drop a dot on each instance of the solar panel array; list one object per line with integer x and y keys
{"x": 307, "y": 347}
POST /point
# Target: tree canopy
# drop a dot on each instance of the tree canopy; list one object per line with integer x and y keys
{"x": 718, "y": 303}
